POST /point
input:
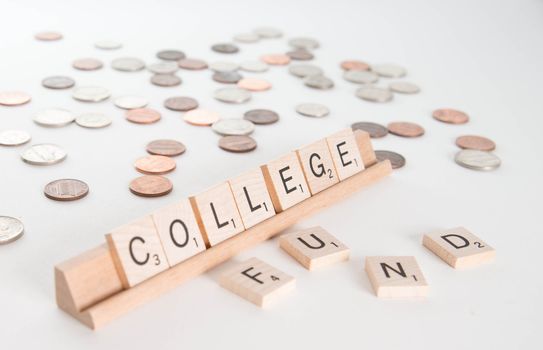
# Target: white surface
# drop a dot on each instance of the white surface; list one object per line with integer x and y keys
{"x": 481, "y": 57}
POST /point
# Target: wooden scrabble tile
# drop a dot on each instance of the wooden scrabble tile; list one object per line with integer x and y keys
{"x": 252, "y": 197}
{"x": 345, "y": 153}
{"x": 396, "y": 276}
{"x": 314, "y": 247}
{"x": 137, "y": 251}
{"x": 178, "y": 231}
{"x": 257, "y": 282}
{"x": 286, "y": 182}
{"x": 318, "y": 166}
{"x": 459, "y": 248}
{"x": 217, "y": 214}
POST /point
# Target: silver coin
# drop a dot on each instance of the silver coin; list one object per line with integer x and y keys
{"x": 171, "y": 55}
{"x": 43, "y": 154}
{"x": 225, "y": 48}
{"x": 389, "y": 70}
{"x": 232, "y": 127}
{"x": 314, "y": 110}
{"x": 477, "y": 160}
{"x": 232, "y": 95}
{"x": 54, "y": 117}
{"x": 227, "y": 77}
{"x": 165, "y": 80}
{"x": 254, "y": 66}
{"x": 108, "y": 45}
{"x": 374, "y": 94}
{"x": 93, "y": 120}
{"x": 268, "y": 32}
{"x": 403, "y": 87}
{"x": 304, "y": 43}
{"x": 14, "y": 137}
{"x": 304, "y": 70}
{"x": 360, "y": 76}
{"x": 165, "y": 67}
{"x": 318, "y": 82}
{"x": 127, "y": 64}
{"x": 58, "y": 82}
{"x": 223, "y": 66}
{"x": 11, "y": 229}
{"x": 131, "y": 102}
{"x": 246, "y": 38}
{"x": 90, "y": 93}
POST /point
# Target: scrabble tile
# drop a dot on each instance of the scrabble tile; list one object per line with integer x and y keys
{"x": 178, "y": 231}
{"x": 137, "y": 251}
{"x": 396, "y": 276}
{"x": 345, "y": 153}
{"x": 257, "y": 282}
{"x": 314, "y": 247}
{"x": 217, "y": 214}
{"x": 318, "y": 166}
{"x": 252, "y": 197}
{"x": 459, "y": 248}
{"x": 286, "y": 182}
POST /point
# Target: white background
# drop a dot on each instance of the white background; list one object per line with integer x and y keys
{"x": 483, "y": 57}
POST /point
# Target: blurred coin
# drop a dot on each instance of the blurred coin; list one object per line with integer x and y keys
{"x": 48, "y": 36}
{"x": 389, "y": 70}
{"x": 451, "y": 116}
{"x": 180, "y": 103}
{"x": 254, "y": 66}
{"x": 165, "y": 80}
{"x": 108, "y": 45}
{"x": 246, "y": 38}
{"x": 227, "y": 77}
{"x": 223, "y": 66}
{"x": 354, "y": 65}
{"x": 164, "y": 67}
{"x": 268, "y": 32}
{"x": 13, "y": 98}
{"x": 65, "y": 190}
{"x": 314, "y": 110}
{"x": 90, "y": 93}
{"x": 231, "y": 127}
{"x": 58, "y": 82}
{"x": 300, "y": 55}
{"x": 225, "y": 48}
{"x": 232, "y": 95}
{"x": 360, "y": 76}
{"x": 93, "y": 120}
{"x": 155, "y": 165}
{"x": 87, "y": 64}
{"x": 403, "y": 87}
{"x": 475, "y": 142}
{"x": 167, "y": 148}
{"x": 43, "y": 154}
{"x": 304, "y": 43}
{"x": 192, "y": 64}
{"x": 127, "y": 64}
{"x": 375, "y": 130}
{"x": 54, "y": 117}
{"x": 143, "y": 116}
{"x": 261, "y": 116}
{"x": 14, "y": 137}
{"x": 276, "y": 59}
{"x": 201, "y": 117}
{"x": 171, "y": 55}
{"x": 318, "y": 82}
{"x": 304, "y": 70}
{"x": 254, "y": 84}
{"x": 396, "y": 160}
{"x": 374, "y": 94}
{"x": 405, "y": 129}
{"x": 11, "y": 229}
{"x": 237, "y": 144}
{"x": 477, "y": 160}
{"x": 151, "y": 186}
{"x": 131, "y": 102}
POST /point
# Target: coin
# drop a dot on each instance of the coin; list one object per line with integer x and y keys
{"x": 318, "y": 82}
{"x": 201, "y": 117}
{"x": 155, "y": 165}
{"x": 87, "y": 64}
{"x": 48, "y": 36}
{"x": 58, "y": 82}
{"x": 232, "y": 127}
{"x": 171, "y": 55}
{"x": 304, "y": 43}
{"x": 451, "y": 116}
{"x": 304, "y": 70}
{"x": 403, "y": 87}
{"x": 143, "y": 116}
{"x": 131, "y": 102}
{"x": 389, "y": 70}
{"x": 227, "y": 77}
{"x": 225, "y": 48}
{"x": 276, "y": 59}
{"x": 374, "y": 94}
{"x": 65, "y": 190}
{"x": 127, "y": 64}
{"x": 165, "y": 80}
{"x": 375, "y": 130}
{"x": 11, "y": 229}
{"x": 232, "y": 95}
{"x": 254, "y": 84}
{"x": 254, "y": 66}
{"x": 261, "y": 116}
{"x": 54, "y": 117}
{"x": 14, "y": 137}
{"x": 268, "y": 32}
{"x": 246, "y": 38}
{"x": 477, "y": 160}
{"x": 90, "y": 93}
{"x": 475, "y": 142}
{"x": 223, "y": 66}
{"x": 108, "y": 45}
{"x": 151, "y": 186}
{"x": 13, "y": 98}
{"x": 164, "y": 67}
{"x": 167, "y": 148}
{"x": 405, "y": 129}
{"x": 93, "y": 120}
{"x": 237, "y": 144}
{"x": 300, "y": 55}
{"x": 360, "y": 76}
{"x": 180, "y": 103}
{"x": 354, "y": 65}
{"x": 43, "y": 154}
{"x": 314, "y": 110}
{"x": 396, "y": 160}
{"x": 192, "y": 64}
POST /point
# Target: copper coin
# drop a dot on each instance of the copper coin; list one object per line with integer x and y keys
{"x": 261, "y": 116}
{"x": 167, "y": 148}
{"x": 354, "y": 65}
{"x": 87, "y": 64}
{"x": 451, "y": 116}
{"x": 48, "y": 36}
{"x": 192, "y": 64}
{"x": 201, "y": 117}
{"x": 375, "y": 130}
{"x": 14, "y": 98}
{"x": 276, "y": 59}
{"x": 475, "y": 142}
{"x": 165, "y": 80}
{"x": 180, "y": 103}
{"x": 396, "y": 160}
{"x": 155, "y": 165}
{"x": 151, "y": 186}
{"x": 300, "y": 55}
{"x": 254, "y": 84}
{"x": 142, "y": 116}
{"x": 66, "y": 190}
{"x": 237, "y": 144}
{"x": 405, "y": 129}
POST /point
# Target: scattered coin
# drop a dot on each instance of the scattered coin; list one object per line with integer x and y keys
{"x": 192, "y": 64}
{"x": 276, "y": 59}
{"x": 268, "y": 32}
{"x": 374, "y": 94}
{"x": 477, "y": 160}
{"x": 314, "y": 110}
{"x": 167, "y": 148}
{"x": 475, "y": 142}
{"x": 300, "y": 55}
{"x": 14, "y": 137}
{"x": 11, "y": 229}
{"x": 201, "y": 117}
{"x": 165, "y": 67}
{"x": 354, "y": 65}
{"x": 227, "y": 77}
{"x": 404, "y": 87}
{"x": 180, "y": 103}
{"x": 304, "y": 43}
{"x": 225, "y": 48}
{"x": 171, "y": 55}
{"x": 451, "y": 116}
{"x": 375, "y": 130}
{"x": 360, "y": 76}
{"x": 90, "y": 93}
{"x": 155, "y": 165}
{"x": 143, "y": 116}
{"x": 261, "y": 116}
{"x": 43, "y": 154}
{"x": 128, "y": 64}
{"x": 254, "y": 66}
{"x": 223, "y": 66}
{"x": 246, "y": 38}
{"x": 396, "y": 160}
{"x": 231, "y": 127}
{"x": 151, "y": 186}
{"x": 58, "y": 82}
{"x": 165, "y": 80}
{"x": 232, "y": 95}
{"x": 237, "y": 144}
{"x": 93, "y": 120}
{"x": 54, "y": 117}
{"x": 304, "y": 70}
{"x": 389, "y": 70}
{"x": 13, "y": 98}
{"x": 131, "y": 102}
{"x": 87, "y": 64}
{"x": 108, "y": 45}
{"x": 319, "y": 82}
{"x": 254, "y": 84}
{"x": 65, "y": 190}
{"x": 405, "y": 129}
{"x": 48, "y": 36}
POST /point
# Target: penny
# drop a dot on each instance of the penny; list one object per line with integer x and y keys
{"x": 165, "y": 80}
{"x": 318, "y": 82}
{"x": 314, "y": 110}
{"x": 261, "y": 116}
{"x": 268, "y": 32}
{"x": 43, "y": 154}
{"x": 223, "y": 66}
{"x": 11, "y": 229}
{"x": 65, "y": 190}
{"x": 246, "y": 38}
{"x": 90, "y": 93}
{"x": 304, "y": 70}
{"x": 128, "y": 64}
{"x": 180, "y": 103}
{"x": 192, "y": 64}
{"x": 396, "y": 160}
{"x": 475, "y": 142}
{"x": 54, "y": 117}
{"x": 227, "y": 127}
{"x": 58, "y": 82}
{"x": 354, "y": 65}
{"x": 254, "y": 66}
{"x": 232, "y": 95}
{"x": 14, "y": 98}
{"x": 225, "y": 48}
{"x": 405, "y": 129}
{"x": 375, "y": 130}
{"x": 237, "y": 144}
{"x": 108, "y": 45}
{"x": 155, "y": 165}
{"x": 360, "y": 76}
{"x": 14, "y": 137}
{"x": 254, "y": 84}
{"x": 201, "y": 117}
{"x": 374, "y": 94}
{"x": 171, "y": 55}
{"x": 143, "y": 116}
{"x": 277, "y": 59}
{"x": 404, "y": 87}
{"x": 93, "y": 120}
{"x": 304, "y": 43}
{"x": 227, "y": 77}
{"x": 300, "y": 55}
{"x": 150, "y": 186}
{"x": 48, "y": 36}
{"x": 389, "y": 70}
{"x": 87, "y": 64}
{"x": 167, "y": 148}
{"x": 477, "y": 160}
{"x": 131, "y": 102}
{"x": 451, "y": 116}
{"x": 165, "y": 67}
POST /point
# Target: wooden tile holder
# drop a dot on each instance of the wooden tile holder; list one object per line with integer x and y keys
{"x": 88, "y": 286}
